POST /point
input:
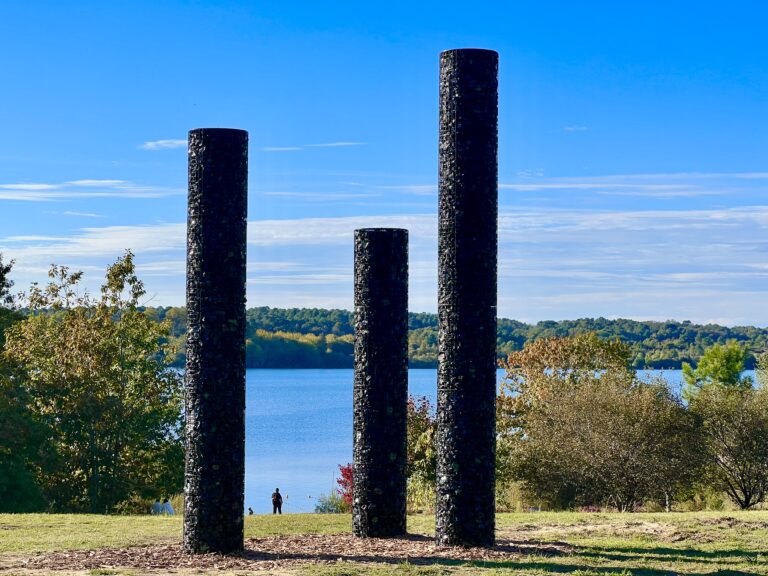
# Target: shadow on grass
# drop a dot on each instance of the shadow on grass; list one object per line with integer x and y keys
{"x": 472, "y": 557}
{"x": 522, "y": 565}
{"x": 528, "y": 556}
{"x": 663, "y": 554}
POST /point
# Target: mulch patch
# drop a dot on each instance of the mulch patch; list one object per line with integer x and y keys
{"x": 285, "y": 551}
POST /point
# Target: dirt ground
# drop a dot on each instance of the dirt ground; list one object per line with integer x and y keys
{"x": 280, "y": 552}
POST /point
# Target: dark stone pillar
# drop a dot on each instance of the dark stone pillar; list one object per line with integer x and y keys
{"x": 468, "y": 207}
{"x": 381, "y": 382}
{"x": 214, "y": 473}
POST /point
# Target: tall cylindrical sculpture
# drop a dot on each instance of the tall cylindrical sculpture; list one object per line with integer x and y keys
{"x": 381, "y": 382}
{"x": 214, "y": 473}
{"x": 468, "y": 208}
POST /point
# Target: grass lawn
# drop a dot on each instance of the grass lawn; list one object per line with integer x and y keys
{"x": 579, "y": 544}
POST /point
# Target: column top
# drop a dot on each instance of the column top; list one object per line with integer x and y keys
{"x": 221, "y": 131}
{"x": 392, "y": 231}
{"x": 481, "y": 52}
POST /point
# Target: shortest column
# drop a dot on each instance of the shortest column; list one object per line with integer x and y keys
{"x": 381, "y": 382}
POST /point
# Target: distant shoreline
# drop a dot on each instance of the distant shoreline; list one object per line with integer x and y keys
{"x": 323, "y": 338}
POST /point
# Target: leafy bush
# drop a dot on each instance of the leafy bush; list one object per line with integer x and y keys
{"x": 420, "y": 495}
{"x": 332, "y": 503}
{"x": 139, "y": 505}
{"x": 736, "y": 434}
{"x": 578, "y": 428}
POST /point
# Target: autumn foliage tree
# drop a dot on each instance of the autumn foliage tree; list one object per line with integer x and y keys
{"x": 345, "y": 483}
{"x": 97, "y": 373}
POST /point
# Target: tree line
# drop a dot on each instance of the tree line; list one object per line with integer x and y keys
{"x": 320, "y": 338}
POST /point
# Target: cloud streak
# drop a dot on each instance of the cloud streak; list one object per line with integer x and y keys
{"x": 88, "y": 188}
{"x": 662, "y": 186}
{"x": 334, "y": 144}
{"x": 163, "y": 144}
{"x": 323, "y": 196}
{"x": 82, "y": 214}
{"x": 342, "y": 144}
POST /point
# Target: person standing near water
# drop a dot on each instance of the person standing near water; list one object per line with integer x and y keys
{"x": 277, "y": 502}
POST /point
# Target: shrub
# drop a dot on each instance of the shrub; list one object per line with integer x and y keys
{"x": 332, "y": 503}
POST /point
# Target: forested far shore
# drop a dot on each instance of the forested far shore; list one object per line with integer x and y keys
{"x": 320, "y": 338}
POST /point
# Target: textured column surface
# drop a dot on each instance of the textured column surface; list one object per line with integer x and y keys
{"x": 468, "y": 206}
{"x": 381, "y": 382}
{"x": 214, "y": 473}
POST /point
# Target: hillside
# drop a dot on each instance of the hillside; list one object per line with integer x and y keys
{"x": 319, "y": 338}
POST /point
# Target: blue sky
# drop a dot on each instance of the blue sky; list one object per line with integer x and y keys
{"x": 632, "y": 152}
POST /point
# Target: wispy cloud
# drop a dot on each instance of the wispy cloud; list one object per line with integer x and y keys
{"x": 323, "y": 196}
{"x": 333, "y": 231}
{"x": 93, "y": 242}
{"x": 575, "y": 128}
{"x": 94, "y": 183}
{"x": 660, "y": 186}
{"x": 343, "y": 144}
{"x": 334, "y": 144}
{"x": 163, "y": 268}
{"x": 538, "y": 173}
{"x": 29, "y": 187}
{"x": 301, "y": 279}
{"x": 416, "y": 189}
{"x": 86, "y": 188}
{"x": 163, "y": 144}
{"x": 685, "y": 176}
{"x": 82, "y": 214}
{"x": 565, "y": 185}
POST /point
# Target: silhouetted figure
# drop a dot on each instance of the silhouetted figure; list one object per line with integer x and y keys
{"x": 250, "y": 511}
{"x": 277, "y": 502}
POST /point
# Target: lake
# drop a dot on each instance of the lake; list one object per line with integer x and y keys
{"x": 299, "y": 429}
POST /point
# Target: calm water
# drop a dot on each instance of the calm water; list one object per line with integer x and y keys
{"x": 299, "y": 428}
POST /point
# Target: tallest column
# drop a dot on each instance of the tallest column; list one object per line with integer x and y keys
{"x": 468, "y": 208}
{"x": 214, "y": 473}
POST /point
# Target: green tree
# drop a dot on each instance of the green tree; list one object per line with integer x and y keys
{"x": 422, "y": 453}
{"x": 6, "y": 299}
{"x": 98, "y": 376}
{"x": 23, "y": 442}
{"x": 722, "y": 365}
{"x": 735, "y": 417}
{"x": 24, "y": 449}
{"x": 736, "y": 432}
